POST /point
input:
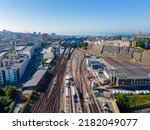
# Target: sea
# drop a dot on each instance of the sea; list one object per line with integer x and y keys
{"x": 98, "y": 33}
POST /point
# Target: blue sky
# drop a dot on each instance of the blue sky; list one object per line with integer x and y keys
{"x": 64, "y": 16}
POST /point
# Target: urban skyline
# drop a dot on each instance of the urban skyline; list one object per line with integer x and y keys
{"x": 75, "y": 16}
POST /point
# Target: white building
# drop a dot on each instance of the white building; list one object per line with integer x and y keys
{"x": 2, "y": 55}
{"x": 14, "y": 64}
{"x": 10, "y": 75}
{"x": 23, "y": 67}
{"x": 1, "y": 78}
{"x": 29, "y": 50}
{"x": 13, "y": 68}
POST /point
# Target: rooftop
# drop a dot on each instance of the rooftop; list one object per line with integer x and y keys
{"x": 17, "y": 64}
{"x": 92, "y": 59}
{"x": 141, "y": 72}
{"x": 121, "y": 64}
{"x": 48, "y": 61}
{"x": 35, "y": 79}
{"x": 3, "y": 53}
{"x": 125, "y": 69}
{"x": 28, "y": 48}
{"x": 19, "y": 48}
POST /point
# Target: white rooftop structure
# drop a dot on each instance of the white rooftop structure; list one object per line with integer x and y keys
{"x": 48, "y": 61}
{"x": 19, "y": 48}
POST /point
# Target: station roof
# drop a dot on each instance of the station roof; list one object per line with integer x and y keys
{"x": 35, "y": 79}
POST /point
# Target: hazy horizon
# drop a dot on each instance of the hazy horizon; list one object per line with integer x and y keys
{"x": 84, "y": 33}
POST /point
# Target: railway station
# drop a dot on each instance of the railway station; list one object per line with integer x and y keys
{"x": 123, "y": 73}
{"x": 38, "y": 82}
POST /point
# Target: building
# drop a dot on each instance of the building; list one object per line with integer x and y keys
{"x": 94, "y": 63}
{"x": 45, "y": 37}
{"x": 123, "y": 73}
{"x": 129, "y": 76}
{"x": 1, "y": 77}
{"x": 29, "y": 50}
{"x": 12, "y": 69}
{"x": 38, "y": 82}
{"x": 13, "y": 64}
{"x": 47, "y": 63}
{"x": 114, "y": 63}
{"x": 127, "y": 43}
{"x": 2, "y": 55}
{"x": 127, "y": 39}
{"x": 53, "y": 34}
{"x": 97, "y": 66}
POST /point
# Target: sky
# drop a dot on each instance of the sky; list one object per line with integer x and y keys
{"x": 70, "y": 16}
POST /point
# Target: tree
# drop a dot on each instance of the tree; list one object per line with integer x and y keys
{"x": 43, "y": 61}
{"x": 11, "y": 92}
{"x": 4, "y": 103}
{"x": 84, "y": 45}
{"x": 124, "y": 102}
{"x": 107, "y": 81}
{"x": 119, "y": 37}
{"x": 148, "y": 42}
{"x": 140, "y": 44}
{"x": 1, "y": 107}
{"x": 2, "y": 92}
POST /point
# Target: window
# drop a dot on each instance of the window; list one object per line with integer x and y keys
{"x": 139, "y": 81}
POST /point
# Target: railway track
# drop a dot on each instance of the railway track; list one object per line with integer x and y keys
{"x": 93, "y": 104}
{"x": 49, "y": 101}
{"x": 77, "y": 80}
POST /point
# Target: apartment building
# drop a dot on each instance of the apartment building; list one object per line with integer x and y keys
{"x": 14, "y": 64}
{"x": 29, "y": 50}
{"x": 11, "y": 70}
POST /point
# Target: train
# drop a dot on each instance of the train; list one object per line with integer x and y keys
{"x": 69, "y": 90}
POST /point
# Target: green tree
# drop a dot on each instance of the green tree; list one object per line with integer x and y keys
{"x": 148, "y": 41}
{"x": 107, "y": 81}
{"x": 1, "y": 107}
{"x": 11, "y": 92}
{"x": 140, "y": 44}
{"x": 2, "y": 92}
{"x": 84, "y": 45}
{"x": 43, "y": 61}
{"x": 124, "y": 102}
{"x": 4, "y": 103}
{"x": 118, "y": 37}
